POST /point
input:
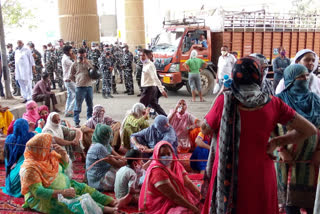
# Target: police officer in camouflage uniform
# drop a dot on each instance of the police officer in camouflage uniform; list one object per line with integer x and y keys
{"x": 106, "y": 63}
{"x": 139, "y": 66}
{"x": 60, "y": 53}
{"x": 127, "y": 68}
{"x": 11, "y": 67}
{"x": 94, "y": 55}
{"x": 51, "y": 64}
{"x": 118, "y": 55}
{"x": 74, "y": 49}
{"x": 38, "y": 63}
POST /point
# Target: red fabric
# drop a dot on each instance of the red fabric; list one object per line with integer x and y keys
{"x": 257, "y": 184}
{"x": 10, "y": 128}
{"x": 153, "y": 201}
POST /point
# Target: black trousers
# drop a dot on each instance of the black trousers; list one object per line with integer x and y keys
{"x": 150, "y": 97}
{"x": 46, "y": 98}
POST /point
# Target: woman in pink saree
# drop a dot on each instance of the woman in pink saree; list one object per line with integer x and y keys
{"x": 167, "y": 188}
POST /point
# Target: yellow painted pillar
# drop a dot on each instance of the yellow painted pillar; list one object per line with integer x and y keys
{"x": 134, "y": 23}
{"x": 79, "y": 21}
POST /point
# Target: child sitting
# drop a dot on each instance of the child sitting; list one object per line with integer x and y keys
{"x": 127, "y": 180}
{"x": 202, "y": 150}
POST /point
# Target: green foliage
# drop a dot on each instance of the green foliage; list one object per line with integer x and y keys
{"x": 15, "y": 15}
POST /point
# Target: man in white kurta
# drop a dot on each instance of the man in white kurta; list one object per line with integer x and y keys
{"x": 24, "y": 66}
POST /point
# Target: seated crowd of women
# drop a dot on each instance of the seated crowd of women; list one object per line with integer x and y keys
{"x": 256, "y": 145}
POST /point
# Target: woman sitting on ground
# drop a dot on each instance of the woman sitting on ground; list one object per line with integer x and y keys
{"x": 99, "y": 117}
{"x": 6, "y": 118}
{"x": 102, "y": 175}
{"x": 66, "y": 137}
{"x": 297, "y": 182}
{"x": 160, "y": 130}
{"x": 44, "y": 112}
{"x": 32, "y": 114}
{"x": 183, "y": 122}
{"x": 135, "y": 121}
{"x": 43, "y": 178}
{"x": 13, "y": 152}
{"x": 167, "y": 187}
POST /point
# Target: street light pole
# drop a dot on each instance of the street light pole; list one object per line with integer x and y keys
{"x": 4, "y": 61}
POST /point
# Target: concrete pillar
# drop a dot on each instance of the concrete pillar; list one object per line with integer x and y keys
{"x": 79, "y": 20}
{"x": 134, "y": 23}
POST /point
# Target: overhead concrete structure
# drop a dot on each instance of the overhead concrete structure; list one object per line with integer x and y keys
{"x": 134, "y": 23}
{"x": 79, "y": 20}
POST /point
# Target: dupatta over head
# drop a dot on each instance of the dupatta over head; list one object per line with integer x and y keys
{"x": 41, "y": 165}
{"x": 153, "y": 202}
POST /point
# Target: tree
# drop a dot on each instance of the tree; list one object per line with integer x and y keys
{"x": 15, "y": 15}
{"x": 306, "y": 7}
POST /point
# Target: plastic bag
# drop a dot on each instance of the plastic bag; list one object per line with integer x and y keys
{"x": 216, "y": 88}
{"x": 83, "y": 204}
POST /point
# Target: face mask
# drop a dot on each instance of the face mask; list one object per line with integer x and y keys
{"x": 282, "y": 53}
{"x": 223, "y": 53}
{"x": 166, "y": 160}
{"x": 145, "y": 61}
{"x": 302, "y": 84}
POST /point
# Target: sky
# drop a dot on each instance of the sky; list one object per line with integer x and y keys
{"x": 47, "y": 21}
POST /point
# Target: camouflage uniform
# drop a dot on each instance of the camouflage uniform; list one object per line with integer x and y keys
{"x": 139, "y": 66}
{"x": 104, "y": 65}
{"x": 59, "y": 68}
{"x": 38, "y": 65}
{"x": 11, "y": 66}
{"x": 51, "y": 65}
{"x": 127, "y": 68}
{"x": 94, "y": 56}
{"x": 118, "y": 55}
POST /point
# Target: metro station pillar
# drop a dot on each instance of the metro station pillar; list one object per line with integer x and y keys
{"x": 79, "y": 20}
{"x": 134, "y": 23}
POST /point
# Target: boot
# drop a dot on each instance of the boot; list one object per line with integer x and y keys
{"x": 105, "y": 96}
{"x": 53, "y": 85}
{"x": 110, "y": 96}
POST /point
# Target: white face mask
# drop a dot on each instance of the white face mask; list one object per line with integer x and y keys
{"x": 145, "y": 61}
{"x": 224, "y": 53}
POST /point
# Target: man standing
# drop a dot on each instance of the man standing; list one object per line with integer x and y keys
{"x": 127, "y": 68}
{"x": 225, "y": 64}
{"x": 139, "y": 66}
{"x": 80, "y": 75}
{"x": 94, "y": 55}
{"x": 11, "y": 66}
{"x": 24, "y": 66}
{"x": 37, "y": 59}
{"x": 279, "y": 65}
{"x": 118, "y": 55}
{"x": 42, "y": 92}
{"x": 51, "y": 64}
{"x": 59, "y": 64}
{"x": 106, "y": 66}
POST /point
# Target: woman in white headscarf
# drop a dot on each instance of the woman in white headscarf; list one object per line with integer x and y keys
{"x": 194, "y": 65}
{"x": 62, "y": 135}
{"x": 309, "y": 59}
{"x": 135, "y": 121}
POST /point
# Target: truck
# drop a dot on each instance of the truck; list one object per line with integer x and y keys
{"x": 242, "y": 32}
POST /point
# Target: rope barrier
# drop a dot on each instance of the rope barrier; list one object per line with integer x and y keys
{"x": 147, "y": 159}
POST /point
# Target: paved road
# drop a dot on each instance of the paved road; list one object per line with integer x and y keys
{"x": 121, "y": 103}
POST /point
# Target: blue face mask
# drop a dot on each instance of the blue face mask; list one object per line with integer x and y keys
{"x": 166, "y": 160}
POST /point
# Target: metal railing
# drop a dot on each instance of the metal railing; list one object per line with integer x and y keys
{"x": 260, "y": 20}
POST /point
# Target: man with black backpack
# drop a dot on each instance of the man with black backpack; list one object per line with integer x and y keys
{"x": 80, "y": 75}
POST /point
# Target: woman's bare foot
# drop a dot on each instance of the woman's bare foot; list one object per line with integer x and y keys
{"x": 110, "y": 210}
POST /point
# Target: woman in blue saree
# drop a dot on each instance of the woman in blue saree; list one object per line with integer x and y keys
{"x": 14, "y": 149}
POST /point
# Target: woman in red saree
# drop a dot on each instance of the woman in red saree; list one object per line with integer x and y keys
{"x": 167, "y": 188}
{"x": 241, "y": 174}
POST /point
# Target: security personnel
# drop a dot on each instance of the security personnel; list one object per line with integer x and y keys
{"x": 118, "y": 55}
{"x": 51, "y": 64}
{"x": 11, "y": 67}
{"x": 59, "y": 64}
{"x": 94, "y": 55}
{"x": 38, "y": 63}
{"x": 106, "y": 63}
{"x": 127, "y": 68}
{"x": 139, "y": 66}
